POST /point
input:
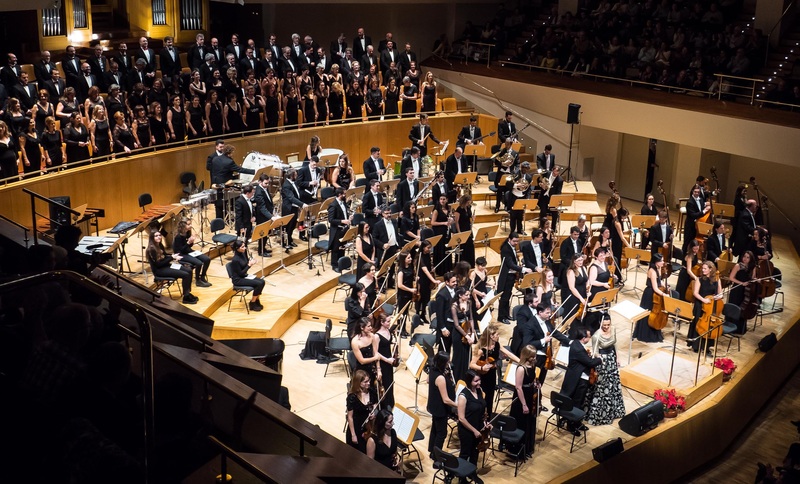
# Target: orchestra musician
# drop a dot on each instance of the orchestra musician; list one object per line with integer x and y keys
{"x": 534, "y": 252}
{"x": 507, "y": 163}
{"x": 309, "y": 178}
{"x": 222, "y": 170}
{"x": 444, "y": 317}
{"x": 687, "y": 276}
{"x": 239, "y": 266}
{"x": 739, "y": 204}
{"x": 661, "y": 235}
{"x": 441, "y": 222}
{"x": 364, "y": 345}
{"x": 506, "y": 129}
{"x": 741, "y": 275}
{"x": 245, "y": 213}
{"x": 463, "y": 223}
{"x": 573, "y": 293}
{"x": 568, "y": 248}
{"x": 343, "y": 175}
{"x": 412, "y": 160}
{"x": 161, "y": 266}
{"x": 696, "y": 207}
{"x": 510, "y": 269}
{"x": 744, "y": 229}
{"x": 441, "y": 400}
{"x": 486, "y": 361}
{"x": 555, "y": 185}
{"x": 374, "y": 168}
{"x": 407, "y": 189}
{"x": 420, "y": 133}
{"x": 716, "y": 244}
{"x": 525, "y": 407}
{"x": 372, "y": 201}
{"x": 386, "y": 340}
{"x": 265, "y": 210}
{"x": 584, "y": 229}
{"x": 382, "y": 444}
{"x": 648, "y": 208}
{"x": 370, "y": 283}
{"x": 365, "y": 248}
{"x": 519, "y": 188}
{"x": 469, "y": 134}
{"x": 576, "y": 379}
{"x": 462, "y": 316}
{"x": 546, "y": 161}
{"x": 384, "y": 234}
{"x": 182, "y": 244}
{"x": 537, "y": 330}
{"x": 360, "y": 402}
{"x": 339, "y": 219}
{"x": 471, "y": 420}
{"x": 600, "y": 279}
{"x": 480, "y": 284}
{"x": 706, "y": 287}
{"x": 405, "y": 289}
{"x": 455, "y": 164}
{"x": 290, "y": 204}
{"x": 441, "y": 187}
{"x": 426, "y": 281}
{"x": 643, "y": 331}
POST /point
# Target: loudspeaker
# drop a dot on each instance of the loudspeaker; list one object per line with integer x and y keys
{"x": 58, "y": 215}
{"x": 607, "y": 450}
{"x": 643, "y": 419}
{"x": 573, "y": 113}
{"x": 767, "y": 342}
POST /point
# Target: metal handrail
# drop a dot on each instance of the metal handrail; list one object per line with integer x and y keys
{"x": 227, "y": 452}
{"x": 26, "y": 229}
{"x": 722, "y": 77}
{"x": 145, "y": 340}
{"x": 467, "y": 43}
{"x": 780, "y": 19}
{"x": 50, "y": 201}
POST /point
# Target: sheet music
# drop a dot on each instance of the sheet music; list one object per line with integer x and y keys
{"x": 485, "y": 321}
{"x": 510, "y": 375}
{"x": 175, "y": 266}
{"x": 629, "y": 310}
{"x": 195, "y": 253}
{"x": 415, "y": 360}
{"x": 460, "y": 385}
{"x": 250, "y": 276}
{"x": 562, "y": 356}
{"x": 488, "y": 296}
{"x": 405, "y": 425}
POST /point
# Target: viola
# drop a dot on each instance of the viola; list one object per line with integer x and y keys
{"x": 486, "y": 440}
{"x": 485, "y": 361}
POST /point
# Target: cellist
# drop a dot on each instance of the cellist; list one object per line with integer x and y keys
{"x": 741, "y": 275}
{"x": 643, "y": 331}
{"x": 706, "y": 288}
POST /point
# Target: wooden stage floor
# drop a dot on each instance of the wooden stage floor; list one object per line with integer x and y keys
{"x": 300, "y": 302}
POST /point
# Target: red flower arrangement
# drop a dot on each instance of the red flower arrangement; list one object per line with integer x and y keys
{"x": 725, "y": 364}
{"x": 670, "y": 399}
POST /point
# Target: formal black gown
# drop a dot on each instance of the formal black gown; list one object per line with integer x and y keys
{"x": 366, "y": 353}
{"x": 489, "y": 379}
{"x": 464, "y": 225}
{"x": 383, "y": 453}
{"x": 41, "y": 114}
{"x": 215, "y": 119}
{"x": 158, "y": 128}
{"x": 102, "y": 138}
{"x": 684, "y": 281}
{"x": 360, "y": 414}
{"x": 51, "y": 142}
{"x": 605, "y": 397}
{"x": 643, "y": 331}
{"x": 736, "y": 297}
{"x": 474, "y": 413}
{"x": 409, "y": 105}
{"x": 272, "y": 112}
{"x": 335, "y": 106}
{"x": 428, "y": 99}
{"x": 73, "y": 136}
{"x": 527, "y": 423}
{"x": 8, "y": 159}
{"x": 355, "y": 102}
{"x": 178, "y": 124}
{"x": 390, "y": 103}
{"x": 440, "y": 251}
{"x": 291, "y": 112}
{"x": 33, "y": 153}
{"x": 322, "y": 108}
{"x": 707, "y": 289}
{"x": 569, "y": 305}
{"x": 367, "y": 248}
{"x": 593, "y": 318}
{"x": 387, "y": 370}
{"x": 197, "y": 121}
{"x": 462, "y": 353}
{"x": 143, "y": 131}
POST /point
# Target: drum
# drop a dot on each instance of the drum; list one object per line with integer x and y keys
{"x": 328, "y": 157}
{"x": 255, "y": 161}
{"x": 211, "y": 194}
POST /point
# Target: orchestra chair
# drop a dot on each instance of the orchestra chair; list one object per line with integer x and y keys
{"x": 407, "y": 450}
{"x": 335, "y": 348}
{"x": 419, "y": 105}
{"x": 505, "y": 431}
{"x": 145, "y": 199}
{"x": 327, "y": 192}
{"x": 492, "y": 177}
{"x": 564, "y": 413}
{"x": 188, "y": 179}
{"x": 224, "y": 240}
{"x": 399, "y": 108}
{"x": 449, "y": 104}
{"x": 361, "y": 182}
{"x": 323, "y": 246}
{"x": 162, "y": 283}
{"x": 240, "y": 291}
{"x": 347, "y": 278}
{"x": 450, "y": 466}
{"x": 732, "y": 314}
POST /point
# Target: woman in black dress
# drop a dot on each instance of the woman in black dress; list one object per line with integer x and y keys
{"x": 426, "y": 280}
{"x": 239, "y": 266}
{"x": 360, "y": 401}
{"x": 463, "y": 215}
{"x": 176, "y": 120}
{"x": 364, "y": 346}
{"x": 15, "y": 117}
{"x": 141, "y": 127}
{"x": 357, "y": 308}
{"x": 480, "y": 284}
{"x": 599, "y": 280}
{"x": 77, "y": 138}
{"x": 413, "y": 74}
{"x": 546, "y": 291}
{"x": 182, "y": 244}
{"x": 31, "y": 147}
{"x": 66, "y": 106}
{"x": 391, "y": 96}
{"x": 290, "y": 107}
{"x": 374, "y": 100}
{"x": 197, "y": 122}
{"x": 440, "y": 221}
{"x": 336, "y": 103}
{"x": 409, "y": 95}
{"x": 321, "y": 90}
{"x": 370, "y": 284}
{"x": 573, "y": 293}
{"x": 115, "y": 102}
{"x": 8, "y": 153}
{"x": 741, "y": 275}
{"x": 343, "y": 175}
{"x": 471, "y": 419}
{"x": 429, "y": 94}
{"x": 42, "y": 110}
{"x": 160, "y": 263}
{"x": 53, "y": 144}
{"x": 354, "y": 98}
{"x": 365, "y": 250}
{"x": 524, "y": 408}
{"x": 214, "y": 123}
{"x": 382, "y": 444}
{"x": 441, "y": 400}
{"x": 93, "y": 99}
{"x": 100, "y": 131}
{"x": 309, "y": 106}
{"x": 387, "y": 342}
{"x": 157, "y": 94}
{"x": 462, "y": 316}
{"x": 409, "y": 223}
{"x": 486, "y": 361}
{"x": 405, "y": 286}
{"x": 618, "y": 240}
{"x": 253, "y": 105}
{"x": 706, "y": 289}
{"x": 642, "y": 331}
{"x": 124, "y": 139}
{"x": 197, "y": 87}
{"x": 686, "y": 278}
{"x": 272, "y": 105}
{"x": 158, "y": 125}
{"x": 648, "y": 208}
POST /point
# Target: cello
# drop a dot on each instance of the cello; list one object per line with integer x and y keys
{"x": 711, "y": 319}
{"x": 666, "y": 250}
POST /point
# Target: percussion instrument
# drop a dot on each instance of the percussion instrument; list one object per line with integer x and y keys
{"x": 328, "y": 157}
{"x": 255, "y": 160}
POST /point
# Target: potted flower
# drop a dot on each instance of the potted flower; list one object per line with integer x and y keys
{"x": 673, "y": 403}
{"x": 727, "y": 366}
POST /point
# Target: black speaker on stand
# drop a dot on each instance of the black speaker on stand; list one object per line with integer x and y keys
{"x": 59, "y": 216}
{"x": 573, "y": 118}
{"x": 643, "y": 419}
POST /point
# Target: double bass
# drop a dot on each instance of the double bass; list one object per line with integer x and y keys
{"x": 666, "y": 250}
{"x": 658, "y": 318}
{"x": 711, "y": 319}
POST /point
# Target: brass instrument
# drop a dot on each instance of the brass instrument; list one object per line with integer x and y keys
{"x": 425, "y": 166}
{"x": 509, "y": 159}
{"x": 521, "y": 185}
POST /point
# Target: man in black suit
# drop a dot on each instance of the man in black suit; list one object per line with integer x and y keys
{"x": 715, "y": 243}
{"x": 290, "y": 204}
{"x": 389, "y": 55}
{"x": 218, "y": 146}
{"x": 407, "y": 189}
{"x": 272, "y": 46}
{"x": 44, "y": 68}
{"x": 695, "y": 208}
{"x": 441, "y": 187}
{"x": 148, "y": 54}
{"x": 506, "y": 161}
{"x": 661, "y": 236}
{"x": 360, "y": 43}
{"x": 25, "y": 92}
{"x": 412, "y": 160}
{"x": 555, "y": 185}
{"x": 406, "y": 58}
{"x": 114, "y": 76}
{"x": 339, "y": 221}
{"x": 546, "y": 161}
{"x": 338, "y": 47}
{"x": 576, "y": 379}
{"x": 509, "y": 268}
{"x": 235, "y": 48}
{"x": 455, "y": 164}
{"x": 346, "y": 62}
{"x": 288, "y": 63}
{"x": 534, "y": 252}
{"x": 368, "y": 59}
{"x": 538, "y": 331}
{"x": 393, "y": 72}
{"x": 308, "y": 60}
{"x": 98, "y": 64}
{"x": 323, "y": 60}
{"x": 268, "y": 62}
{"x": 197, "y": 52}
{"x": 444, "y": 316}
{"x": 245, "y": 214}
{"x": 139, "y": 75}
{"x": 420, "y": 133}
{"x": 309, "y": 178}
{"x": 371, "y": 202}
{"x": 71, "y": 65}
{"x": 384, "y": 43}
{"x": 265, "y": 210}
{"x": 219, "y": 53}
{"x": 55, "y": 86}
{"x": 373, "y": 166}
{"x": 9, "y": 73}
{"x": 744, "y": 232}
{"x": 123, "y": 60}
{"x": 568, "y": 248}
{"x": 170, "y": 60}
{"x": 386, "y": 240}
{"x": 249, "y": 62}
{"x": 222, "y": 170}
{"x": 469, "y": 134}
{"x": 86, "y": 82}
{"x": 506, "y": 128}
{"x": 208, "y": 68}
{"x": 296, "y": 48}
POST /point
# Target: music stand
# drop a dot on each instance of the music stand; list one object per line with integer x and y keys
{"x": 261, "y": 231}
{"x": 632, "y": 312}
{"x": 635, "y": 256}
{"x": 724, "y": 210}
{"x": 454, "y": 244}
{"x": 354, "y": 192}
{"x": 424, "y": 212}
{"x": 280, "y": 224}
{"x": 465, "y": 179}
{"x": 561, "y": 203}
{"x": 405, "y": 425}
{"x": 642, "y": 222}
{"x": 484, "y": 235}
{"x": 724, "y": 267}
{"x": 474, "y": 151}
{"x": 602, "y": 298}
{"x": 310, "y": 213}
{"x": 435, "y": 240}
{"x": 704, "y": 229}
{"x": 490, "y": 303}
{"x": 415, "y": 363}
{"x": 678, "y": 310}
{"x": 409, "y": 245}
{"x": 388, "y": 185}
{"x": 526, "y": 205}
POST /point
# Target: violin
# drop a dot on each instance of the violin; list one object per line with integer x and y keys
{"x": 592, "y": 371}
{"x": 658, "y": 318}
{"x": 489, "y": 360}
{"x": 486, "y": 440}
